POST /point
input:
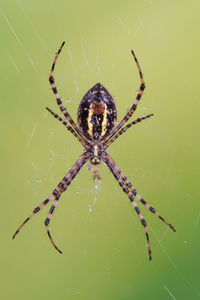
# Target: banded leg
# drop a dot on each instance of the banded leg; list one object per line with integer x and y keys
{"x": 36, "y": 210}
{"x": 127, "y": 127}
{"x": 134, "y": 192}
{"x": 62, "y": 186}
{"x": 66, "y": 125}
{"x": 134, "y": 106}
{"x": 125, "y": 190}
{"x": 54, "y": 89}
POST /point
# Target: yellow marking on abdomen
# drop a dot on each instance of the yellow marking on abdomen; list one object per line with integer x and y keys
{"x": 90, "y": 125}
{"x": 104, "y": 122}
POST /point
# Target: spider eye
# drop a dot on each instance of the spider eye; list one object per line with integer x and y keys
{"x": 95, "y": 161}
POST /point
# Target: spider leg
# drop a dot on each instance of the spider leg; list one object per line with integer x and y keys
{"x": 54, "y": 89}
{"x": 127, "y": 127}
{"x": 36, "y": 210}
{"x": 125, "y": 190}
{"x": 66, "y": 125}
{"x": 134, "y": 106}
{"x": 62, "y": 186}
{"x": 134, "y": 192}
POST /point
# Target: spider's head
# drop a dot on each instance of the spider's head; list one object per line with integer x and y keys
{"x": 95, "y": 161}
{"x": 96, "y": 154}
{"x": 97, "y": 113}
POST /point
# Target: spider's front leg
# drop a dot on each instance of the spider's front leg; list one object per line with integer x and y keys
{"x": 128, "y": 188}
{"x": 134, "y": 192}
{"x": 125, "y": 190}
{"x": 61, "y": 187}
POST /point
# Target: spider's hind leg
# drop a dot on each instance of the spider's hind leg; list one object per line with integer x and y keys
{"x": 58, "y": 99}
{"x": 125, "y": 128}
{"x": 135, "y": 103}
{"x": 64, "y": 122}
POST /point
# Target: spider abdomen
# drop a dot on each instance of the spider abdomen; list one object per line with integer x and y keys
{"x": 97, "y": 113}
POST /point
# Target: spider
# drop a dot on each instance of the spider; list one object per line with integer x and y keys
{"x": 96, "y": 131}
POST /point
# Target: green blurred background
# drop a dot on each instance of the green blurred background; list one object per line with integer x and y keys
{"x": 104, "y": 253}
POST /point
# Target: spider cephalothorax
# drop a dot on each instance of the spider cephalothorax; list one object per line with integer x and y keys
{"x": 97, "y": 115}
